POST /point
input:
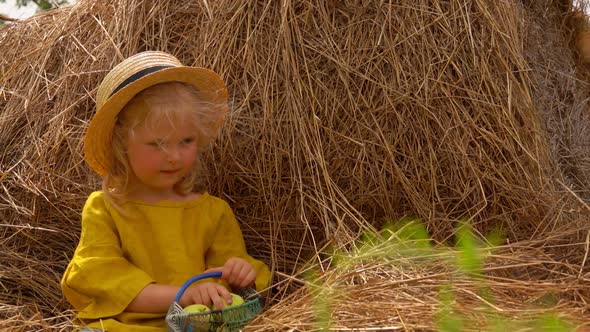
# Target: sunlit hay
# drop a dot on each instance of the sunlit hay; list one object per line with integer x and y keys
{"x": 345, "y": 114}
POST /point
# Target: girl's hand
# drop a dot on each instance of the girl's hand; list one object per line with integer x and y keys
{"x": 206, "y": 293}
{"x": 237, "y": 272}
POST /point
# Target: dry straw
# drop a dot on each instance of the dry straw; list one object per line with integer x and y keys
{"x": 344, "y": 114}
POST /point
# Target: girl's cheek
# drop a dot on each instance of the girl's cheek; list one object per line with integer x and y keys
{"x": 189, "y": 149}
{"x": 152, "y": 154}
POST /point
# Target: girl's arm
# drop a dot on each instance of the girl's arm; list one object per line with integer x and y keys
{"x": 228, "y": 254}
{"x": 99, "y": 281}
{"x": 155, "y": 298}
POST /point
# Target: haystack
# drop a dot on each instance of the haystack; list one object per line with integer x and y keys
{"x": 345, "y": 115}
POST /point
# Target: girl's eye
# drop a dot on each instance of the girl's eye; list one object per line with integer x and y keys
{"x": 188, "y": 141}
{"x": 155, "y": 144}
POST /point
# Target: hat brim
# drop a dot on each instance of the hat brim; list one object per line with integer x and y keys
{"x": 97, "y": 141}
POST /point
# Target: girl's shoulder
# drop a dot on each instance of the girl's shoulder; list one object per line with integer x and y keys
{"x": 97, "y": 204}
{"x": 213, "y": 204}
{"x": 208, "y": 199}
{"x": 99, "y": 194}
{"x": 97, "y": 198}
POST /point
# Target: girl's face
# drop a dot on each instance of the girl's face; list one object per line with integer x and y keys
{"x": 160, "y": 155}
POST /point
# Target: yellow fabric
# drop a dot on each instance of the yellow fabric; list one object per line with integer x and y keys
{"x": 166, "y": 243}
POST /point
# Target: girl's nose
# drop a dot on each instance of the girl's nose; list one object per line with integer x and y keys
{"x": 173, "y": 154}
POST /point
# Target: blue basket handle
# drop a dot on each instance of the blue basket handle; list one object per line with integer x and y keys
{"x": 195, "y": 279}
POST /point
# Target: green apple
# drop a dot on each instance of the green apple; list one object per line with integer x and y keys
{"x": 235, "y": 301}
{"x": 196, "y": 308}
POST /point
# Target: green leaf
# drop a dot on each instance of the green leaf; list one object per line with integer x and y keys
{"x": 321, "y": 300}
{"x": 552, "y": 323}
{"x": 496, "y": 238}
{"x": 447, "y": 319}
{"x": 410, "y": 235}
{"x": 469, "y": 259}
{"x": 44, "y": 4}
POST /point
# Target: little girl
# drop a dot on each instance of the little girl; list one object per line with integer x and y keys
{"x": 147, "y": 232}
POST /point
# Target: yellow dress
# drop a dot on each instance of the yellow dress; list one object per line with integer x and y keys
{"x": 165, "y": 243}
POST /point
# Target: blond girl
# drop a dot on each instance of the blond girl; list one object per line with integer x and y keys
{"x": 148, "y": 230}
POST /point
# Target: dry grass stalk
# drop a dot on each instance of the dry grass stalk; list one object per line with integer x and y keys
{"x": 345, "y": 114}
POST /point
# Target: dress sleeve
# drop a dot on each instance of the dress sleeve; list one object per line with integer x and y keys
{"x": 229, "y": 242}
{"x": 99, "y": 281}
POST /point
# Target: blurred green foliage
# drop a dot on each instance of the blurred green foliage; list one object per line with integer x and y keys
{"x": 41, "y": 5}
{"x": 407, "y": 241}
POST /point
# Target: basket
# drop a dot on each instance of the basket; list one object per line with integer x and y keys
{"x": 226, "y": 319}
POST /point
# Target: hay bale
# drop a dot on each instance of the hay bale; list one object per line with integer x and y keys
{"x": 345, "y": 114}
{"x": 560, "y": 90}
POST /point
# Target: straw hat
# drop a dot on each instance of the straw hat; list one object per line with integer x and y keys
{"x": 127, "y": 79}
